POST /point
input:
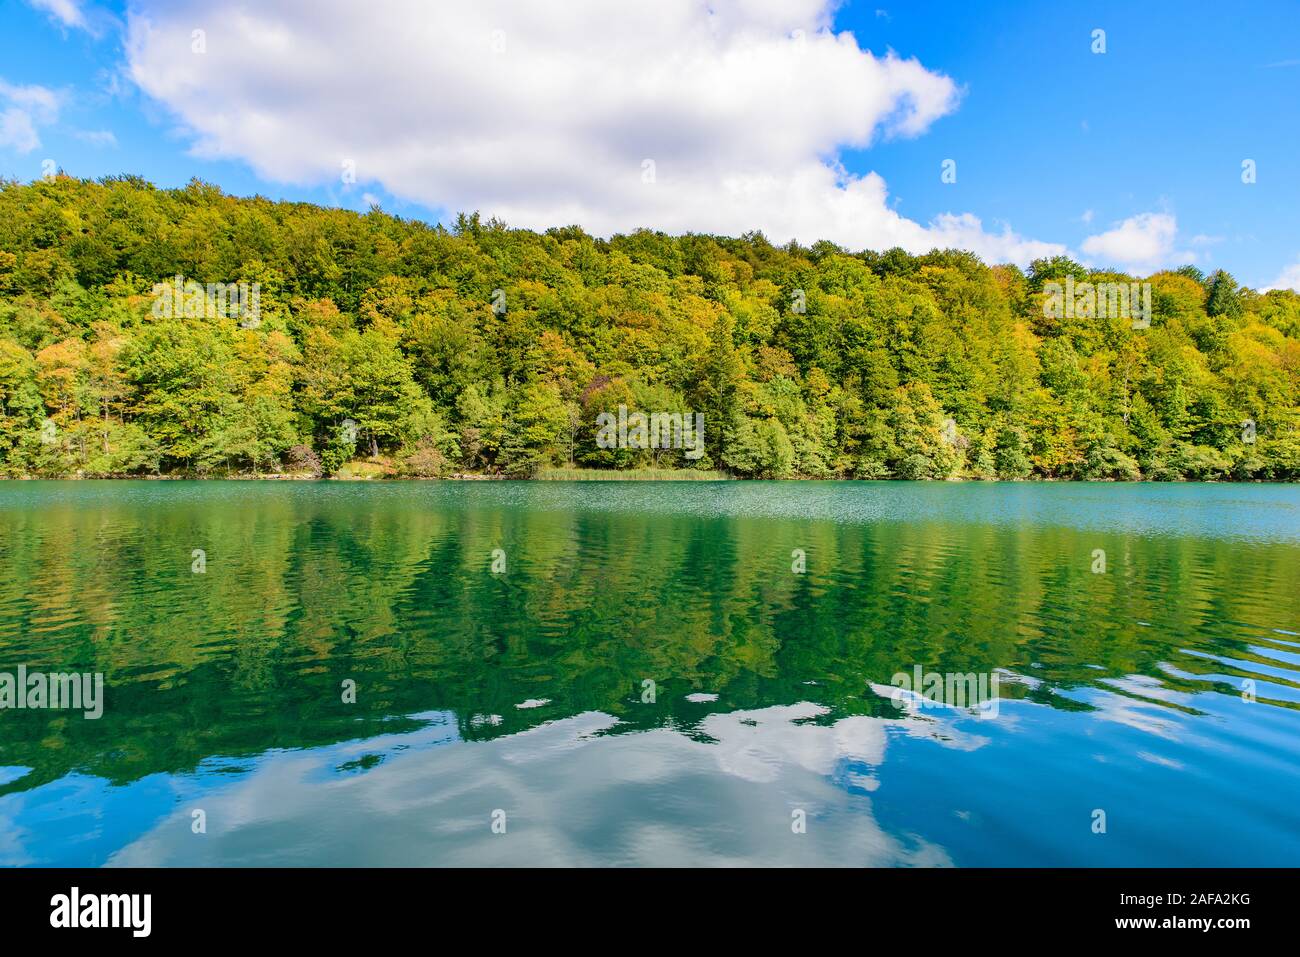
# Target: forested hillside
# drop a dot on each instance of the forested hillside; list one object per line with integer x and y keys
{"x": 482, "y": 348}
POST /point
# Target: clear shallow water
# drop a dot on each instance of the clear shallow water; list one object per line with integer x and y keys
{"x": 522, "y": 692}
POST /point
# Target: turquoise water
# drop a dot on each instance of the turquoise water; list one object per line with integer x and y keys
{"x": 503, "y": 714}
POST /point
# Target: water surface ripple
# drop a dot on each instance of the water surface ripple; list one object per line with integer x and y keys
{"x": 1162, "y": 692}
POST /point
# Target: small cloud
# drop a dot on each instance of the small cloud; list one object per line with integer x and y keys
{"x": 1288, "y": 278}
{"x": 67, "y": 12}
{"x": 40, "y": 101}
{"x": 1086, "y": 217}
{"x": 114, "y": 84}
{"x": 17, "y": 130}
{"x": 100, "y": 138}
{"x": 25, "y": 108}
{"x": 77, "y": 15}
{"x": 1281, "y": 64}
{"x": 1142, "y": 243}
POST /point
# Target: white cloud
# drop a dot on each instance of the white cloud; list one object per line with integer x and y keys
{"x": 25, "y": 108}
{"x": 1143, "y": 244}
{"x": 67, "y": 12}
{"x": 545, "y": 115}
{"x": 1288, "y": 278}
{"x": 99, "y": 138}
{"x": 39, "y": 100}
{"x": 17, "y": 131}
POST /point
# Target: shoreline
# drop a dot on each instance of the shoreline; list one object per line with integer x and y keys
{"x": 614, "y": 476}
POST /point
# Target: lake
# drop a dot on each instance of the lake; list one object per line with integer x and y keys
{"x": 549, "y": 673}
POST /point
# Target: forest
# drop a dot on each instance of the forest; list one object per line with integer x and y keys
{"x": 379, "y": 346}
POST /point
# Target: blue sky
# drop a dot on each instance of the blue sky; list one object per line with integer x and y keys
{"x": 1128, "y": 157}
